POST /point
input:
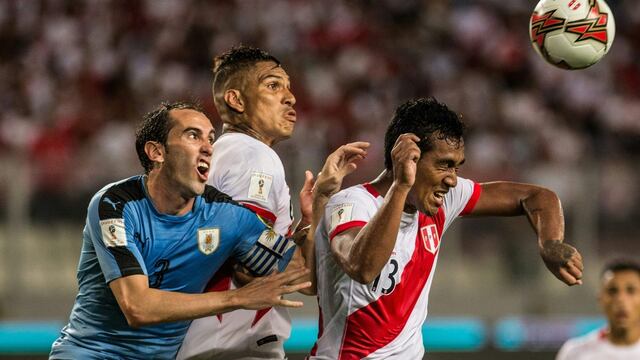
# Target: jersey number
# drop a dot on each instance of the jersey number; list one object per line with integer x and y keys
{"x": 162, "y": 266}
{"x": 391, "y": 276}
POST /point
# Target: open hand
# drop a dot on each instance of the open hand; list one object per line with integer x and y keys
{"x": 267, "y": 291}
{"x": 339, "y": 164}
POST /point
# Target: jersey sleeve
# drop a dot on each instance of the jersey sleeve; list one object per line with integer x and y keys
{"x": 260, "y": 249}
{"x": 461, "y": 200}
{"x": 256, "y": 180}
{"x": 348, "y": 209}
{"x": 111, "y": 231}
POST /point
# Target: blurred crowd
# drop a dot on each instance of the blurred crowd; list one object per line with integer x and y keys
{"x": 78, "y": 75}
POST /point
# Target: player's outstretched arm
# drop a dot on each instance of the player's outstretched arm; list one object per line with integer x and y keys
{"x": 143, "y": 305}
{"x": 362, "y": 252}
{"x": 544, "y": 211}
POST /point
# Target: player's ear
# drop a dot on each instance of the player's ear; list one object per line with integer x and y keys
{"x": 155, "y": 151}
{"x": 233, "y": 99}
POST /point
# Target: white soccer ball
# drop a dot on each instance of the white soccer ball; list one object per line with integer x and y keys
{"x": 572, "y": 34}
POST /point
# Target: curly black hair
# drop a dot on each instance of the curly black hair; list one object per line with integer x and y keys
{"x": 429, "y": 120}
{"x": 155, "y": 126}
{"x": 619, "y": 265}
{"x": 237, "y": 59}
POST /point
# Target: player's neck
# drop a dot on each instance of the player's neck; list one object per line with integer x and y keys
{"x": 164, "y": 197}
{"x": 247, "y": 130}
{"x": 383, "y": 182}
{"x": 624, "y": 336}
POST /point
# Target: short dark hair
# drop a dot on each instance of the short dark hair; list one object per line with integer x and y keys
{"x": 429, "y": 120}
{"x": 237, "y": 59}
{"x": 155, "y": 126}
{"x": 619, "y": 265}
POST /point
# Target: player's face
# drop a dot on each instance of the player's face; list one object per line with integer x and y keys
{"x": 436, "y": 174}
{"x": 188, "y": 151}
{"x": 269, "y": 102}
{"x": 620, "y": 299}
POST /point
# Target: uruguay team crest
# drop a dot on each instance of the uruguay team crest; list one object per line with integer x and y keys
{"x": 430, "y": 238}
{"x": 208, "y": 240}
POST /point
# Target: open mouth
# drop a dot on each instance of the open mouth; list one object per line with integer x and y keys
{"x": 203, "y": 170}
{"x": 439, "y": 196}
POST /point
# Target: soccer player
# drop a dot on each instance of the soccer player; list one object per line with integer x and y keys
{"x": 378, "y": 243}
{"x": 152, "y": 242}
{"x": 252, "y": 94}
{"x": 619, "y": 298}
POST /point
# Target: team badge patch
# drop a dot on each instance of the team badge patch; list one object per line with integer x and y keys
{"x": 268, "y": 238}
{"x": 208, "y": 240}
{"x": 430, "y": 238}
{"x": 341, "y": 214}
{"x": 113, "y": 233}
{"x": 259, "y": 186}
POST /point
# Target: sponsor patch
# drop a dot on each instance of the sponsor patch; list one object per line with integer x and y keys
{"x": 260, "y": 186}
{"x": 113, "y": 233}
{"x": 340, "y": 215}
{"x": 208, "y": 240}
{"x": 430, "y": 238}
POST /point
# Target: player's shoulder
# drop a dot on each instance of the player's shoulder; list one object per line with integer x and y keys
{"x": 242, "y": 149}
{"x": 211, "y": 195}
{"x": 112, "y": 198}
{"x": 361, "y": 193}
{"x": 575, "y": 347}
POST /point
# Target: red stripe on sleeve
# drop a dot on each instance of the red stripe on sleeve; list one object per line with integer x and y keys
{"x": 346, "y": 226}
{"x": 477, "y": 190}
{"x": 263, "y": 213}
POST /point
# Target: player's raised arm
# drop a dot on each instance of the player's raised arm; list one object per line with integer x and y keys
{"x": 143, "y": 305}
{"x": 362, "y": 252}
{"x": 544, "y": 211}
{"x": 340, "y": 163}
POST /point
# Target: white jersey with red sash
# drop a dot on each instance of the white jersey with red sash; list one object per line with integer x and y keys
{"x": 596, "y": 346}
{"x": 251, "y": 173}
{"x": 383, "y": 319}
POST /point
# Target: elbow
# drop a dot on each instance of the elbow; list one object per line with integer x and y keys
{"x": 363, "y": 275}
{"x": 135, "y": 314}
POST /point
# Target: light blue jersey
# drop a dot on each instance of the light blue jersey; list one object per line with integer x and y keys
{"x": 125, "y": 235}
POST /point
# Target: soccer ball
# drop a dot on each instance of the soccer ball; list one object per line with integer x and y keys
{"x": 572, "y": 34}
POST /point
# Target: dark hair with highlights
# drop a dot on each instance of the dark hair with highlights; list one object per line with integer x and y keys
{"x": 620, "y": 265}
{"x": 155, "y": 126}
{"x": 429, "y": 120}
{"x": 235, "y": 60}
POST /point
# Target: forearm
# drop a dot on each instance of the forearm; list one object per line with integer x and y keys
{"x": 372, "y": 247}
{"x": 152, "y": 306}
{"x": 544, "y": 211}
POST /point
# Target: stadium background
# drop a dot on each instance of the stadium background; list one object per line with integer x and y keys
{"x": 78, "y": 75}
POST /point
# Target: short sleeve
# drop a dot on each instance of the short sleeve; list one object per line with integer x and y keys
{"x": 111, "y": 231}
{"x": 461, "y": 200}
{"x": 260, "y": 249}
{"x": 350, "y": 208}
{"x": 255, "y": 179}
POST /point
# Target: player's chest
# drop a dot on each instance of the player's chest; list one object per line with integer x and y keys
{"x": 414, "y": 253}
{"x": 173, "y": 251}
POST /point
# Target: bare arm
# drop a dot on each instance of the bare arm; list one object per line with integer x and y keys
{"x": 143, "y": 305}
{"x": 544, "y": 211}
{"x": 363, "y": 252}
{"x": 340, "y": 163}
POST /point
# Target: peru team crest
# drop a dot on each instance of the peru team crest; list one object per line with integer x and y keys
{"x": 208, "y": 240}
{"x": 430, "y": 238}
